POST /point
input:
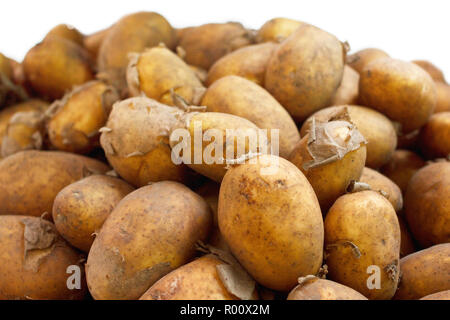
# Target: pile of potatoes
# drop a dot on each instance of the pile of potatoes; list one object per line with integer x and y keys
{"x": 91, "y": 195}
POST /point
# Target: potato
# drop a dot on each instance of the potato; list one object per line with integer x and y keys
{"x": 305, "y": 71}
{"x": 385, "y": 186}
{"x": 93, "y": 42}
{"x": 201, "y": 73}
{"x": 362, "y": 240}
{"x": 158, "y": 73}
{"x": 205, "y": 44}
{"x": 427, "y": 204}
{"x": 74, "y": 122}
{"x": 443, "y": 295}
{"x": 225, "y": 140}
{"x": 407, "y": 245}
{"x": 249, "y": 62}
{"x": 151, "y": 232}
{"x": 409, "y": 140}
{"x": 36, "y": 261}
{"x": 243, "y": 98}
{"x": 271, "y": 220}
{"x": 277, "y": 29}
{"x": 443, "y": 97}
{"x": 313, "y": 288}
{"x": 136, "y": 141}
{"x": 425, "y": 272}
{"x": 331, "y": 155}
{"x": 377, "y": 129}
{"x": 403, "y": 165}
{"x": 210, "y": 192}
{"x": 400, "y": 90}
{"x": 132, "y": 33}
{"x": 347, "y": 93}
{"x": 432, "y": 70}
{"x": 359, "y": 60}
{"x": 434, "y": 138}
{"x": 66, "y": 32}
{"x": 55, "y": 66}
{"x": 30, "y": 180}
{"x": 12, "y": 90}
{"x": 80, "y": 209}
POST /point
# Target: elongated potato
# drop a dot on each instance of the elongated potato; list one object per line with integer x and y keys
{"x": 271, "y": 220}
{"x": 151, "y": 232}
{"x": 425, "y": 272}
{"x": 30, "y": 180}
{"x": 277, "y": 29}
{"x": 443, "y": 97}
{"x": 362, "y": 241}
{"x": 37, "y": 262}
{"x": 434, "y": 138}
{"x": 80, "y": 209}
{"x": 359, "y": 60}
{"x": 67, "y": 32}
{"x": 348, "y": 91}
{"x": 305, "y": 71}
{"x": 432, "y": 70}
{"x": 243, "y": 98}
{"x": 427, "y": 204}
{"x": 443, "y": 295}
{"x": 313, "y": 288}
{"x": 158, "y": 73}
{"x": 400, "y": 90}
{"x": 74, "y": 122}
{"x": 249, "y": 62}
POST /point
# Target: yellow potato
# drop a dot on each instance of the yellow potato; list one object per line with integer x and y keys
{"x": 443, "y": 97}
{"x": 347, "y": 93}
{"x": 277, "y": 29}
{"x": 12, "y": 82}
{"x": 313, "y": 288}
{"x": 359, "y": 60}
{"x": 443, "y": 295}
{"x": 434, "y": 138}
{"x": 67, "y": 32}
{"x": 407, "y": 245}
{"x": 93, "y": 42}
{"x": 432, "y": 70}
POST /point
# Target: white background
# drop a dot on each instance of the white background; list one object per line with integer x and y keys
{"x": 405, "y": 29}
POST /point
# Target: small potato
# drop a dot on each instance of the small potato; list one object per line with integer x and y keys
{"x": 362, "y": 234}
{"x": 277, "y": 29}
{"x": 313, "y": 288}
{"x": 432, "y": 70}
{"x": 74, "y": 122}
{"x": 271, "y": 220}
{"x": 30, "y": 180}
{"x": 427, "y": 204}
{"x": 400, "y": 90}
{"x": 249, "y": 62}
{"x": 383, "y": 184}
{"x": 66, "y": 32}
{"x": 425, "y": 272}
{"x": 331, "y": 155}
{"x": 136, "y": 141}
{"x": 159, "y": 73}
{"x": 93, "y": 42}
{"x": 151, "y": 232}
{"x": 243, "y": 98}
{"x": 80, "y": 209}
{"x": 305, "y": 71}
{"x": 403, "y": 165}
{"x": 407, "y": 245}
{"x": 376, "y": 128}
{"x": 55, "y": 66}
{"x": 443, "y": 295}
{"x": 348, "y": 91}
{"x": 36, "y": 262}
{"x": 443, "y": 97}
{"x": 434, "y": 138}
{"x": 359, "y": 60}
{"x": 205, "y": 44}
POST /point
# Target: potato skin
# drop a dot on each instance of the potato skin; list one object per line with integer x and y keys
{"x": 243, "y": 98}
{"x": 30, "y": 180}
{"x": 93, "y": 42}
{"x": 443, "y": 97}
{"x": 359, "y": 60}
{"x": 303, "y": 88}
{"x": 348, "y": 91}
{"x": 407, "y": 245}
{"x": 435, "y": 73}
{"x": 427, "y": 204}
{"x": 249, "y": 62}
{"x": 425, "y": 272}
{"x": 80, "y": 209}
{"x": 151, "y": 232}
{"x": 322, "y": 289}
{"x": 271, "y": 222}
{"x": 443, "y": 295}
{"x": 277, "y": 29}
{"x": 434, "y": 138}
{"x": 368, "y": 221}
{"x": 67, "y": 32}
{"x": 400, "y": 90}
{"x": 41, "y": 273}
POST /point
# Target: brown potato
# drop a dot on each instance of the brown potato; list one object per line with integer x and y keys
{"x": 401, "y": 90}
{"x": 66, "y": 32}
{"x": 30, "y": 180}
{"x": 12, "y": 88}
{"x": 277, "y": 29}
{"x": 93, "y": 42}
{"x": 74, "y": 122}
{"x": 432, "y": 70}
{"x": 151, "y": 232}
{"x": 205, "y": 44}
{"x": 249, "y": 62}
{"x": 407, "y": 245}
{"x": 305, "y": 87}
{"x": 443, "y": 295}
{"x": 434, "y": 138}
{"x": 408, "y": 141}
{"x": 210, "y": 192}
{"x": 362, "y": 240}
{"x": 443, "y": 97}
{"x": 271, "y": 220}
{"x": 348, "y": 91}
{"x": 313, "y": 288}
{"x": 36, "y": 261}
{"x": 427, "y": 204}
{"x": 425, "y": 272}
{"x": 359, "y": 60}
{"x": 80, "y": 209}
{"x": 243, "y": 98}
